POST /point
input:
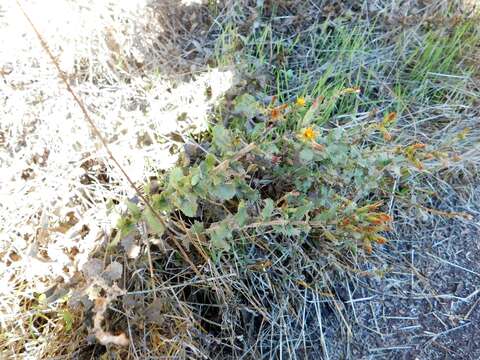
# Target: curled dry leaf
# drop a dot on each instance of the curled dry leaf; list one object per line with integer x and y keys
{"x": 154, "y": 312}
{"x": 101, "y": 304}
{"x": 93, "y": 268}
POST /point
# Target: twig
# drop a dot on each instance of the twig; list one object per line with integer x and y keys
{"x": 436, "y": 336}
{"x": 452, "y": 264}
{"x": 448, "y": 214}
{"x": 171, "y": 287}
{"x": 320, "y": 326}
{"x": 471, "y": 309}
{"x": 222, "y": 166}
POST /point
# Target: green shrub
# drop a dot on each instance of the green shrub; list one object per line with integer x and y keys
{"x": 287, "y": 176}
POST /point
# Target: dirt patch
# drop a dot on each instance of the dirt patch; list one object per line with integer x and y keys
{"x": 426, "y": 306}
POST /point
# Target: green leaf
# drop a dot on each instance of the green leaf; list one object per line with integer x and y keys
{"x": 268, "y": 209}
{"x": 153, "y": 222}
{"x": 160, "y": 202}
{"x": 148, "y": 188}
{"x": 216, "y": 179}
{"x": 209, "y": 161}
{"x": 289, "y": 73}
{"x": 246, "y": 105}
{"x": 67, "y": 318}
{"x": 257, "y": 130}
{"x": 188, "y": 205}
{"x": 337, "y": 133}
{"x": 134, "y": 210}
{"x": 288, "y": 230}
{"x": 246, "y": 192}
{"x": 221, "y": 138}
{"x": 241, "y": 216}
{"x": 42, "y": 299}
{"x": 326, "y": 216}
{"x": 195, "y": 179}
{"x": 220, "y": 236}
{"x": 198, "y": 228}
{"x": 224, "y": 191}
{"x": 306, "y": 155}
{"x": 270, "y": 148}
{"x": 176, "y": 174}
{"x": 302, "y": 211}
{"x": 304, "y": 184}
{"x": 113, "y": 244}
{"x": 125, "y": 225}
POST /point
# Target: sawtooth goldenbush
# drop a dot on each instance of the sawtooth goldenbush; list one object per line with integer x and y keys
{"x": 274, "y": 169}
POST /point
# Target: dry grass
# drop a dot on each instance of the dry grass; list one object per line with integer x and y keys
{"x": 142, "y": 73}
{"x": 55, "y": 180}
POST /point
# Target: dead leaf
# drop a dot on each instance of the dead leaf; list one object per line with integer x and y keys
{"x": 92, "y": 268}
{"x": 154, "y": 312}
{"x": 113, "y": 271}
{"x": 130, "y": 246}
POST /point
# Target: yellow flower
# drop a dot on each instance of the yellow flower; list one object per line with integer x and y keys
{"x": 309, "y": 134}
{"x": 301, "y": 101}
